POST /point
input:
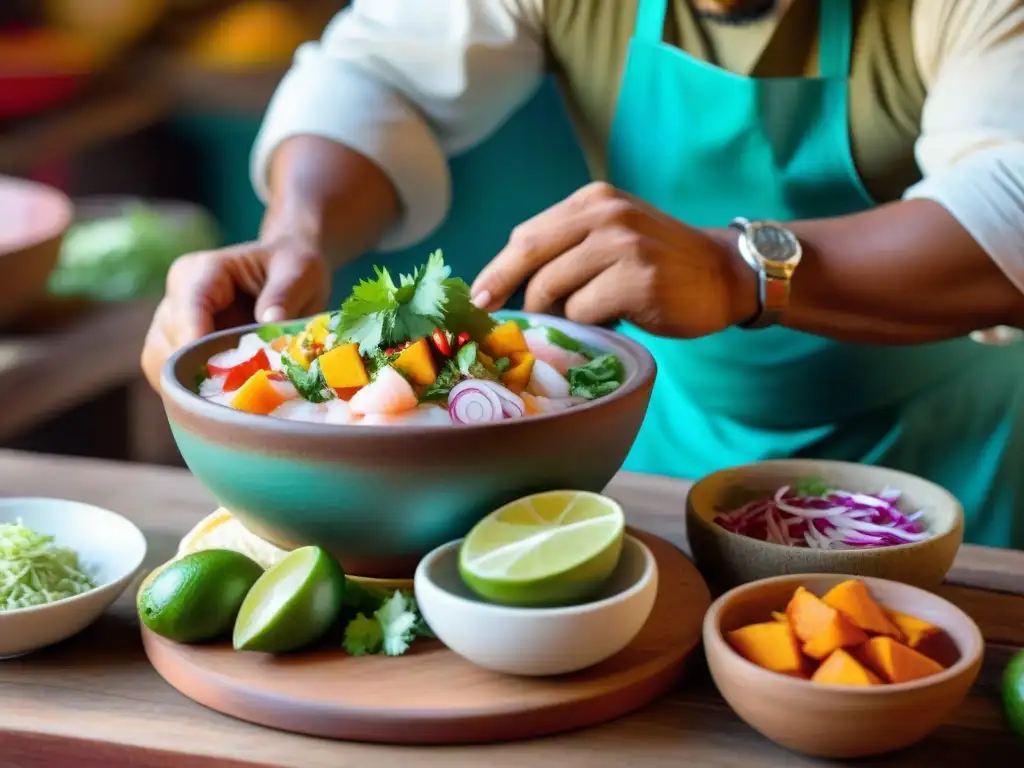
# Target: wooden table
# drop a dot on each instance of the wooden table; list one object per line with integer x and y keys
{"x": 95, "y": 702}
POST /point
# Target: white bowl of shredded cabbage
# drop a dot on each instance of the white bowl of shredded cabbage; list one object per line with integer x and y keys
{"x": 62, "y": 563}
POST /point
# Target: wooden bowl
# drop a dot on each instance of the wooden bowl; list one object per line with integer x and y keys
{"x": 728, "y": 559}
{"x": 32, "y": 226}
{"x": 838, "y": 721}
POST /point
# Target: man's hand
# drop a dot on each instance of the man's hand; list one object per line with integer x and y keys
{"x": 287, "y": 278}
{"x": 602, "y": 255}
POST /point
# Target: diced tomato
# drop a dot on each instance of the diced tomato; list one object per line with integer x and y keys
{"x": 237, "y": 375}
{"x": 462, "y": 340}
{"x": 397, "y": 348}
{"x": 441, "y": 342}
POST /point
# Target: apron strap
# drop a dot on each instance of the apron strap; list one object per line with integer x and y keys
{"x": 650, "y": 20}
{"x": 835, "y": 38}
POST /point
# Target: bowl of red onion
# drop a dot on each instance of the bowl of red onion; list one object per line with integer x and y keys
{"x": 813, "y": 516}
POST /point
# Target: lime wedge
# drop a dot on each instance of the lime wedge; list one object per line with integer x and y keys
{"x": 292, "y": 604}
{"x": 548, "y": 549}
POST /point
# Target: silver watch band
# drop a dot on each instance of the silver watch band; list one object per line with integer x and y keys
{"x": 772, "y": 288}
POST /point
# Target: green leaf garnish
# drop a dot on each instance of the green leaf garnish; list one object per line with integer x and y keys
{"x": 461, "y": 314}
{"x": 502, "y": 364}
{"x": 277, "y": 330}
{"x": 447, "y": 377}
{"x": 600, "y": 377}
{"x": 397, "y": 623}
{"x": 201, "y": 375}
{"x": 465, "y": 357}
{"x": 522, "y": 322}
{"x": 811, "y": 486}
{"x": 380, "y": 312}
{"x": 363, "y": 636}
{"x": 310, "y": 384}
{"x": 377, "y": 360}
{"x": 565, "y": 341}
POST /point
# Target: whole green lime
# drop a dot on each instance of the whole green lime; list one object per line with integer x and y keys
{"x": 1013, "y": 693}
{"x": 293, "y": 604}
{"x": 198, "y": 597}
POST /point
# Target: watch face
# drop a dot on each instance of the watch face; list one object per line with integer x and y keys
{"x": 774, "y": 243}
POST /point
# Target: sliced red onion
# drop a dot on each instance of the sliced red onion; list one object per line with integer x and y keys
{"x": 512, "y": 405}
{"x": 836, "y": 520}
{"x": 469, "y": 403}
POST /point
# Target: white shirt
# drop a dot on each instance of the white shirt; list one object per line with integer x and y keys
{"x": 409, "y": 83}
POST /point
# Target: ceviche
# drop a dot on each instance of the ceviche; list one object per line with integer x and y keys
{"x": 411, "y": 351}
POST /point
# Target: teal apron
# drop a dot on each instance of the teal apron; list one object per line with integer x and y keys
{"x": 705, "y": 145}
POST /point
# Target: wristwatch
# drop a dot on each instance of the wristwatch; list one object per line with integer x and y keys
{"x": 773, "y": 252}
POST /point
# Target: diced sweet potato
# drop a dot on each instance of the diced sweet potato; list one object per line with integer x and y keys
{"x": 852, "y": 599}
{"x": 840, "y": 668}
{"x": 280, "y": 343}
{"x": 343, "y": 368}
{"x": 517, "y": 376}
{"x": 505, "y": 340}
{"x": 771, "y": 645}
{"x": 895, "y": 662}
{"x": 258, "y": 395}
{"x": 926, "y": 638}
{"x": 821, "y": 628}
{"x": 417, "y": 362}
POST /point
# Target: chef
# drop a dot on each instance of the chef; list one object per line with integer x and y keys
{"x": 803, "y": 209}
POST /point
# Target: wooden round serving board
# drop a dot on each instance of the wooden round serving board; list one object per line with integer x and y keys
{"x": 431, "y": 695}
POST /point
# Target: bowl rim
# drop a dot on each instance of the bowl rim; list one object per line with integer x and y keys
{"x": 107, "y": 585}
{"x": 648, "y": 573}
{"x": 188, "y": 400}
{"x": 956, "y": 523}
{"x": 713, "y": 628}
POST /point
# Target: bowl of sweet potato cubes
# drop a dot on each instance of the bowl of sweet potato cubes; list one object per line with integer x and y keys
{"x": 839, "y": 666}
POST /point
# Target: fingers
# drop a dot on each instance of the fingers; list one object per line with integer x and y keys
{"x": 603, "y": 299}
{"x": 297, "y": 284}
{"x": 537, "y": 241}
{"x": 198, "y": 286}
{"x": 568, "y": 273}
{"x": 157, "y": 347}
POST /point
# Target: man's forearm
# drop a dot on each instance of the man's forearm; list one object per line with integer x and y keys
{"x": 330, "y": 195}
{"x": 902, "y": 273}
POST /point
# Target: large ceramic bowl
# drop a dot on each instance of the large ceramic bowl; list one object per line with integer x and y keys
{"x": 379, "y": 497}
{"x": 728, "y": 558}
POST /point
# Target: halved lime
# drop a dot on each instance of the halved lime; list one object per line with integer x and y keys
{"x": 293, "y": 604}
{"x": 197, "y": 597}
{"x": 548, "y": 549}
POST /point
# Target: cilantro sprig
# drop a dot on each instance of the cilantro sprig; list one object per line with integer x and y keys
{"x": 382, "y": 312}
{"x": 390, "y": 629}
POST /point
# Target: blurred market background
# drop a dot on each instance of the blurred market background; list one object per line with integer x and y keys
{"x": 142, "y": 112}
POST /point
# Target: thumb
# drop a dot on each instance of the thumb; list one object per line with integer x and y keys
{"x": 297, "y": 284}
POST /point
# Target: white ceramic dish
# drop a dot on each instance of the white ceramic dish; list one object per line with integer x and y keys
{"x": 537, "y": 641}
{"x": 110, "y": 549}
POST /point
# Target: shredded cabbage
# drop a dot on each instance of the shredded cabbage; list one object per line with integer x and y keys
{"x": 35, "y": 571}
{"x": 815, "y": 516}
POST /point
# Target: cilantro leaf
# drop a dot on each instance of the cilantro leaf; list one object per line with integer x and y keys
{"x": 377, "y": 360}
{"x": 502, "y": 364}
{"x": 276, "y": 331}
{"x": 363, "y": 636}
{"x": 600, "y": 377}
{"x": 310, "y": 384}
{"x": 461, "y": 314}
{"x": 397, "y": 622}
{"x": 811, "y": 486}
{"x": 447, "y": 377}
{"x": 565, "y": 341}
{"x": 201, "y": 375}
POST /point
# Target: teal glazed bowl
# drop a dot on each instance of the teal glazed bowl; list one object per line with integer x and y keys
{"x": 380, "y": 497}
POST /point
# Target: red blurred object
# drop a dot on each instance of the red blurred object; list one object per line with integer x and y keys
{"x": 40, "y": 69}
{"x": 22, "y": 95}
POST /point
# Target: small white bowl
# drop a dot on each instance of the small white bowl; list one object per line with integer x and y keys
{"x": 110, "y": 549}
{"x": 537, "y": 641}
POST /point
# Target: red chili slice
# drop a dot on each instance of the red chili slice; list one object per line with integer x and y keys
{"x": 462, "y": 340}
{"x": 441, "y": 342}
{"x": 239, "y": 374}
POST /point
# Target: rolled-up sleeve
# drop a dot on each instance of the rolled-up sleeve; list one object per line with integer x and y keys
{"x": 408, "y": 83}
{"x": 971, "y": 148}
